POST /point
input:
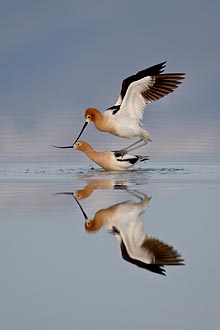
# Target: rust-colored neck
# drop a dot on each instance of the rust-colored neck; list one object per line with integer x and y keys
{"x": 88, "y": 150}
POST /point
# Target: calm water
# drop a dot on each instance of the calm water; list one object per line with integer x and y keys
{"x": 55, "y": 275}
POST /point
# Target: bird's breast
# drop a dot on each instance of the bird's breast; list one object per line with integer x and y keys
{"x": 121, "y": 126}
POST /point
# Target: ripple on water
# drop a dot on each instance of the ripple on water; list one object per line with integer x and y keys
{"x": 67, "y": 172}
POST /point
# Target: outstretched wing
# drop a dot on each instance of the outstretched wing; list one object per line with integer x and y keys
{"x": 161, "y": 253}
{"x": 159, "y": 269}
{"x": 154, "y": 70}
{"x": 152, "y": 254}
{"x": 147, "y": 90}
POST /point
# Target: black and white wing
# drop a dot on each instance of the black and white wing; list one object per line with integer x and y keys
{"x": 131, "y": 159}
{"x": 152, "y": 254}
{"x": 161, "y": 253}
{"x": 159, "y": 269}
{"x": 151, "y": 71}
{"x": 147, "y": 90}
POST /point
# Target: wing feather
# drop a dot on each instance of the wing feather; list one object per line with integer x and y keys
{"x": 151, "y": 71}
{"x": 159, "y": 269}
{"x": 162, "y": 253}
{"x": 147, "y": 90}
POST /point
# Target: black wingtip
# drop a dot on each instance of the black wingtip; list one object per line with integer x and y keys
{"x": 163, "y": 64}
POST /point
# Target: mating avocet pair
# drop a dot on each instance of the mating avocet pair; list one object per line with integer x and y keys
{"x": 124, "y": 118}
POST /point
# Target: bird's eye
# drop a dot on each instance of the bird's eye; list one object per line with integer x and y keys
{"x": 78, "y": 144}
{"x": 77, "y": 195}
{"x": 88, "y": 116}
{"x": 88, "y": 223}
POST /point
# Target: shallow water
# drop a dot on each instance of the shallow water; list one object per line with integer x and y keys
{"x": 56, "y": 275}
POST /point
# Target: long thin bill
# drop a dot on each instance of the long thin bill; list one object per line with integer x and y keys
{"x": 84, "y": 126}
{"x": 83, "y": 212}
{"x": 70, "y": 193}
{"x": 63, "y": 193}
{"x": 68, "y": 147}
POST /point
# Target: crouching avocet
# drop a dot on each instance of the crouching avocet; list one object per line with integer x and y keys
{"x": 109, "y": 160}
{"x": 124, "y": 118}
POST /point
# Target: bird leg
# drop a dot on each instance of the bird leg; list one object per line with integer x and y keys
{"x": 131, "y": 147}
{"x": 137, "y": 194}
{"x": 139, "y": 141}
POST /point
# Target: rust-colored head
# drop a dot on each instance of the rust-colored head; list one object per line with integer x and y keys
{"x": 91, "y": 226}
{"x": 97, "y": 222}
{"x": 81, "y": 194}
{"x": 82, "y": 145}
{"x": 92, "y": 114}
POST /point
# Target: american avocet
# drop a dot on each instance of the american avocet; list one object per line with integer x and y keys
{"x": 124, "y": 221}
{"x": 124, "y": 118}
{"x": 108, "y": 160}
{"x": 106, "y": 184}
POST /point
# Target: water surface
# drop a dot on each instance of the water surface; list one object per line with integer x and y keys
{"x": 56, "y": 275}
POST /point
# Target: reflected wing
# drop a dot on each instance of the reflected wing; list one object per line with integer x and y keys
{"x": 159, "y": 269}
{"x": 162, "y": 253}
{"x": 147, "y": 90}
{"x": 152, "y": 254}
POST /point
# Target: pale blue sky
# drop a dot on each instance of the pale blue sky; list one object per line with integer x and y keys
{"x": 59, "y": 57}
